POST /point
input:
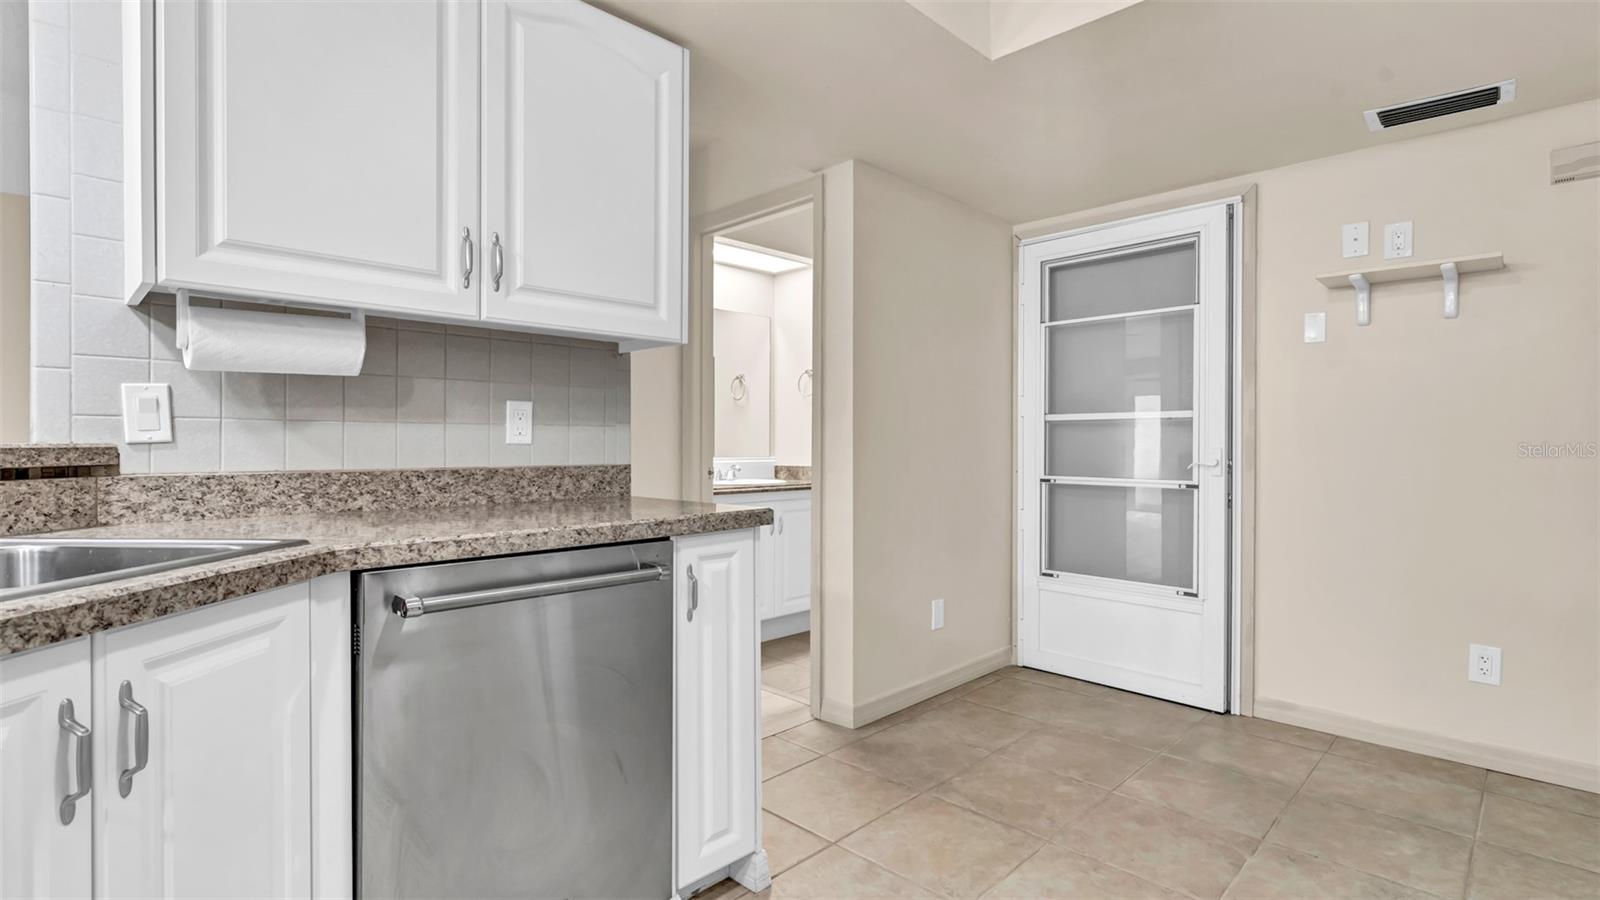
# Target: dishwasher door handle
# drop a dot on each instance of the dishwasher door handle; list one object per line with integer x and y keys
{"x": 411, "y": 607}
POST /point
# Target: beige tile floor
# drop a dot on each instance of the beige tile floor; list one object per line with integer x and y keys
{"x": 1027, "y": 785}
{"x": 785, "y": 683}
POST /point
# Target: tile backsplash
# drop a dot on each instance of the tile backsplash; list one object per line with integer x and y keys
{"x": 428, "y": 395}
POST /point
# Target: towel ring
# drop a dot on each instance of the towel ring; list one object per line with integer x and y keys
{"x": 803, "y": 383}
{"x": 739, "y": 388}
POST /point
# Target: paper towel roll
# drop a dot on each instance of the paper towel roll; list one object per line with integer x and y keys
{"x": 237, "y": 340}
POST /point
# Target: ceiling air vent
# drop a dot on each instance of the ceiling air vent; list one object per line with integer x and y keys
{"x": 1442, "y": 105}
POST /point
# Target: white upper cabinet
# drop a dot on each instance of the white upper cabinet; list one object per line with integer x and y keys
{"x": 45, "y": 774}
{"x": 323, "y": 152}
{"x": 520, "y": 163}
{"x": 584, "y": 155}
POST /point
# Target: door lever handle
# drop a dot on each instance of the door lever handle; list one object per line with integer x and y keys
{"x": 1214, "y": 462}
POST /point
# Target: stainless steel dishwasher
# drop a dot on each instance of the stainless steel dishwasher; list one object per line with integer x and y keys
{"x": 514, "y": 726}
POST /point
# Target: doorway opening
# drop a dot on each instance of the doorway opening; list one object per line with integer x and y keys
{"x": 1126, "y": 454}
{"x": 759, "y": 288}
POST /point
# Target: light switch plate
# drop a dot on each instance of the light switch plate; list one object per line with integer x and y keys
{"x": 1316, "y": 327}
{"x": 938, "y": 614}
{"x": 146, "y": 414}
{"x": 519, "y": 421}
{"x": 1353, "y": 240}
{"x": 1397, "y": 240}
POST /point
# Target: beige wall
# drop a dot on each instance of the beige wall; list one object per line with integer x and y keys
{"x": 656, "y": 422}
{"x": 917, "y": 457}
{"x": 14, "y": 250}
{"x": 1397, "y": 519}
{"x": 791, "y": 356}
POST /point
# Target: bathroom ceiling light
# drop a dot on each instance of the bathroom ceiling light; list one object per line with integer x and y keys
{"x": 746, "y": 256}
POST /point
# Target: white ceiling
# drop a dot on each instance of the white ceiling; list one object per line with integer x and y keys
{"x": 997, "y": 27}
{"x": 1157, "y": 96}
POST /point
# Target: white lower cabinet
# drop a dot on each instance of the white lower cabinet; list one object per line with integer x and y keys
{"x": 717, "y": 697}
{"x": 45, "y": 817}
{"x": 217, "y": 754}
{"x": 791, "y": 571}
{"x": 785, "y": 587}
{"x": 204, "y": 769}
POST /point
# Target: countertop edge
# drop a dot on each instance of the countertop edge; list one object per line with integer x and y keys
{"x": 131, "y": 601}
{"x": 788, "y": 487}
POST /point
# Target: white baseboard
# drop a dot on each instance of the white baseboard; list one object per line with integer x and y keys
{"x": 1571, "y": 773}
{"x": 900, "y": 698}
{"x": 783, "y": 626}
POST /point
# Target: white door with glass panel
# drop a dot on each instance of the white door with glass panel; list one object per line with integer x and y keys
{"x": 1124, "y": 455}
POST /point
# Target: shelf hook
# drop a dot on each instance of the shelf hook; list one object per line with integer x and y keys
{"x": 1452, "y": 290}
{"x": 1363, "y": 298}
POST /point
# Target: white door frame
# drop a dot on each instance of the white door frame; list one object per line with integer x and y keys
{"x": 1235, "y": 430}
{"x": 698, "y": 383}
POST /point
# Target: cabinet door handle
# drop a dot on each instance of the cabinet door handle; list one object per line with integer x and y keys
{"x": 141, "y": 737}
{"x": 694, "y": 593}
{"x": 83, "y": 772}
{"x": 499, "y": 261}
{"x": 466, "y": 244}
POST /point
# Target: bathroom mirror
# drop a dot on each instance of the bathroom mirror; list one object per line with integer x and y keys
{"x": 761, "y": 340}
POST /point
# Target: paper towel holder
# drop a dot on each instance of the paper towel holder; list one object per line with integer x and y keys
{"x": 181, "y": 331}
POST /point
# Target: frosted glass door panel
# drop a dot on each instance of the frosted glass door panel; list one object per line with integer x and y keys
{"x": 1137, "y": 364}
{"x": 1143, "y": 534}
{"x": 1149, "y": 448}
{"x": 1152, "y": 278}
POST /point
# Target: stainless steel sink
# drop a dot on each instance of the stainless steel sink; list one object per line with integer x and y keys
{"x": 35, "y": 565}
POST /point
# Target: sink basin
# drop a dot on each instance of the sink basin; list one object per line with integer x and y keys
{"x": 35, "y": 565}
{"x": 748, "y": 482}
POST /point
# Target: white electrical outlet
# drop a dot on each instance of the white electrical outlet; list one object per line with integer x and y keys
{"x": 1353, "y": 239}
{"x": 938, "y": 614}
{"x": 1397, "y": 240}
{"x": 1483, "y": 664}
{"x": 519, "y": 421}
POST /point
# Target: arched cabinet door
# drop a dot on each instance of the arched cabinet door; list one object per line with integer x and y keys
{"x": 584, "y": 171}
{"x": 323, "y": 152}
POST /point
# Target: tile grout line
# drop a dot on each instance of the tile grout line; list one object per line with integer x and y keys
{"x": 1262, "y": 842}
{"x": 1477, "y": 833}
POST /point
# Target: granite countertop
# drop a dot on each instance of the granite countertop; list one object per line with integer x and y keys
{"x": 28, "y": 456}
{"x": 761, "y": 488}
{"x": 347, "y": 541}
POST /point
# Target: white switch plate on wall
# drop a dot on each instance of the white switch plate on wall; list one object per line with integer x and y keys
{"x": 1397, "y": 240}
{"x": 938, "y": 614}
{"x": 1316, "y": 327}
{"x": 146, "y": 414}
{"x": 519, "y": 421}
{"x": 1353, "y": 239}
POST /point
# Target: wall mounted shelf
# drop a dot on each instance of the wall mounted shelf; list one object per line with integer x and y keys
{"x": 1449, "y": 269}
